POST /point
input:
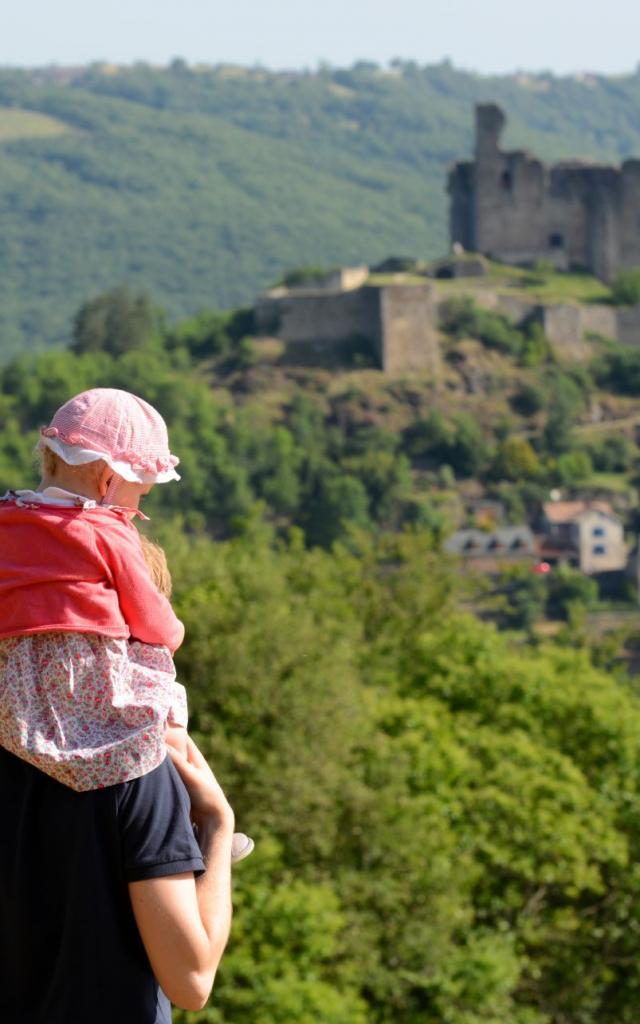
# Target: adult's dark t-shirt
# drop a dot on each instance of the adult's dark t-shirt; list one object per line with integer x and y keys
{"x": 70, "y": 951}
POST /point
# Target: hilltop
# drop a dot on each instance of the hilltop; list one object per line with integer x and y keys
{"x": 202, "y": 186}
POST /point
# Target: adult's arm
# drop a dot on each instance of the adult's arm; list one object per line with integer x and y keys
{"x": 183, "y": 921}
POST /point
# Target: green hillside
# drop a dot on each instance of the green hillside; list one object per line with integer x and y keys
{"x": 204, "y": 186}
{"x": 447, "y": 817}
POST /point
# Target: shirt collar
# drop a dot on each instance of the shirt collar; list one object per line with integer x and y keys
{"x": 57, "y": 496}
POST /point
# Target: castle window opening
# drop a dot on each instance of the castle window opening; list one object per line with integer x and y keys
{"x": 556, "y": 240}
{"x": 506, "y": 180}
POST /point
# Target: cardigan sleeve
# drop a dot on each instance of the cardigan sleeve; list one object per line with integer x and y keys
{"x": 148, "y": 613}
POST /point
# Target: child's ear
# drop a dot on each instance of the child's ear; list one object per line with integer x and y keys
{"x": 104, "y": 479}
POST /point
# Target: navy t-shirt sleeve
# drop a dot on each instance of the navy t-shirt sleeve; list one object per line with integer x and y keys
{"x": 155, "y": 826}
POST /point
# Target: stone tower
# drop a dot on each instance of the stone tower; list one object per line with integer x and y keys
{"x": 511, "y": 206}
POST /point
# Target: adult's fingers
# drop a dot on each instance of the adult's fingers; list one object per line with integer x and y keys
{"x": 195, "y": 755}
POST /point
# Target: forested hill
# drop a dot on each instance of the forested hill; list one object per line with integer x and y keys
{"x": 203, "y": 185}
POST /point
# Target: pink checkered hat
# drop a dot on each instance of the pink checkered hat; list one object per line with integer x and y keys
{"x": 124, "y": 430}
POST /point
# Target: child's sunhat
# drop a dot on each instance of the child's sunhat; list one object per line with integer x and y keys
{"x": 124, "y": 430}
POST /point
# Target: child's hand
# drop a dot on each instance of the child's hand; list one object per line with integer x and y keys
{"x": 177, "y": 737}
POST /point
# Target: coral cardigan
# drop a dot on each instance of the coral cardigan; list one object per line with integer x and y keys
{"x": 78, "y": 570}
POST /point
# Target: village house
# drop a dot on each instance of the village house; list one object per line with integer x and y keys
{"x": 489, "y": 550}
{"x": 585, "y": 534}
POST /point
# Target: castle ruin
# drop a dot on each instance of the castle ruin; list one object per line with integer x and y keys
{"x": 513, "y": 207}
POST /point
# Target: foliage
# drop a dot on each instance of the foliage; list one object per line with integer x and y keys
{"x": 572, "y": 467}
{"x": 523, "y": 596}
{"x": 116, "y": 322}
{"x": 446, "y": 830}
{"x": 529, "y": 399}
{"x": 202, "y": 186}
{"x": 625, "y": 288}
{"x": 447, "y": 818}
{"x": 619, "y": 370}
{"x": 461, "y": 317}
{"x": 613, "y": 454}
{"x": 514, "y": 460}
{"x": 305, "y": 275}
{"x": 458, "y": 442}
{"x": 569, "y": 587}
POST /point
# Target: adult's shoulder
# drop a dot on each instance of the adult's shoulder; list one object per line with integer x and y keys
{"x": 155, "y": 824}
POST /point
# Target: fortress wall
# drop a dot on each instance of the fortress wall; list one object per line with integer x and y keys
{"x": 605, "y": 207}
{"x": 461, "y": 212}
{"x": 514, "y": 308}
{"x": 409, "y": 322}
{"x": 510, "y": 206}
{"x": 320, "y": 316}
{"x": 630, "y": 214}
{"x": 563, "y": 326}
{"x": 600, "y": 320}
{"x": 629, "y": 325}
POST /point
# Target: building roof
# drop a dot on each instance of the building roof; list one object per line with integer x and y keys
{"x": 570, "y": 511}
{"x": 509, "y": 540}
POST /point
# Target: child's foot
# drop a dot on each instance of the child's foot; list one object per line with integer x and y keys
{"x": 241, "y": 847}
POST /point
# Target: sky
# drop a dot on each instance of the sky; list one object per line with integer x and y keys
{"x": 490, "y": 36}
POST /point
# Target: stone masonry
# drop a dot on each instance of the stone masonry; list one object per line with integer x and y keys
{"x": 514, "y": 208}
{"x": 399, "y": 322}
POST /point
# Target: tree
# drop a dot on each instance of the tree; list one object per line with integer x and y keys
{"x": 625, "y": 289}
{"x": 514, "y": 460}
{"x": 116, "y": 322}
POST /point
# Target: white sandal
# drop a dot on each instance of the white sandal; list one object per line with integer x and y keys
{"x": 241, "y": 847}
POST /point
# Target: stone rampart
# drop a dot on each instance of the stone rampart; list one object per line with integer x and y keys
{"x": 601, "y": 320}
{"x": 409, "y": 335}
{"x": 628, "y": 318}
{"x": 400, "y": 323}
{"x": 320, "y": 316}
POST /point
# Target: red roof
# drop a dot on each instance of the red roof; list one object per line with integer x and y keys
{"x": 569, "y": 511}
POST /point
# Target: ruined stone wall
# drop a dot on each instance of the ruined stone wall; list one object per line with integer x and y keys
{"x": 508, "y": 193}
{"x": 628, "y": 324}
{"x": 566, "y": 217}
{"x": 409, "y": 329}
{"x": 514, "y": 208}
{"x": 564, "y": 329}
{"x": 630, "y": 214}
{"x": 601, "y": 320}
{"x": 320, "y": 316}
{"x": 460, "y": 187}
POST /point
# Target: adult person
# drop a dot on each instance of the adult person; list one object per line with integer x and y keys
{"x": 109, "y": 905}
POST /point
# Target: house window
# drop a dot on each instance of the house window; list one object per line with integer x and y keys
{"x": 556, "y": 240}
{"x": 598, "y": 531}
{"x": 599, "y": 549}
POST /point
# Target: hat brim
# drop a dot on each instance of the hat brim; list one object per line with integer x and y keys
{"x": 76, "y": 456}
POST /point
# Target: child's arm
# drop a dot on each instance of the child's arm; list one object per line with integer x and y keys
{"x": 148, "y": 614}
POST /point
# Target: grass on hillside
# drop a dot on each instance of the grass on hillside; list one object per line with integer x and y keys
{"x": 27, "y": 124}
{"x": 544, "y": 285}
{"x": 531, "y": 283}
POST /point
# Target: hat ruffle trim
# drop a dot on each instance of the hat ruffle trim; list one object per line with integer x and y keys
{"x": 70, "y": 448}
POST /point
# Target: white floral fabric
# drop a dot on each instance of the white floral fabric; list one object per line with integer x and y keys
{"x": 88, "y": 710}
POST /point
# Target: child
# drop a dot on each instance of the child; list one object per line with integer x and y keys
{"x": 78, "y": 699}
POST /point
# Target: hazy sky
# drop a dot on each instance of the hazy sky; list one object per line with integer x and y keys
{"x": 485, "y": 35}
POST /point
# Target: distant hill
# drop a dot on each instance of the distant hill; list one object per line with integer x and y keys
{"x": 203, "y": 186}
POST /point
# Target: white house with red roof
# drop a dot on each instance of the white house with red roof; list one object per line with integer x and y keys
{"x": 587, "y": 534}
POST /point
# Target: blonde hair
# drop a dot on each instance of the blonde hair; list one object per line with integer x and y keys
{"x": 50, "y": 462}
{"x": 156, "y": 561}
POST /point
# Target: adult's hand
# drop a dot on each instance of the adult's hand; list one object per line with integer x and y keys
{"x": 207, "y": 798}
